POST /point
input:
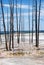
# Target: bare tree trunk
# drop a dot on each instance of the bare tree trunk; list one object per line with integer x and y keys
{"x": 17, "y": 22}
{"x": 32, "y": 18}
{"x": 36, "y": 22}
{"x": 20, "y": 19}
{"x": 13, "y": 25}
{"x": 39, "y": 20}
{"x": 4, "y": 25}
{"x": 7, "y": 27}
{"x": 22, "y": 29}
{"x": 10, "y": 26}
{"x": 29, "y": 19}
{"x": 0, "y": 31}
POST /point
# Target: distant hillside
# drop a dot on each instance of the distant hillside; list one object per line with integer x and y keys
{"x": 7, "y": 32}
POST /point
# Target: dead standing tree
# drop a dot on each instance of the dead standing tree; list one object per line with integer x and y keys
{"x": 0, "y": 28}
{"x": 36, "y": 22}
{"x": 7, "y": 27}
{"x": 32, "y": 19}
{"x": 22, "y": 28}
{"x": 29, "y": 18}
{"x": 4, "y": 25}
{"x": 17, "y": 22}
{"x": 39, "y": 20}
{"x": 11, "y": 25}
{"x": 20, "y": 19}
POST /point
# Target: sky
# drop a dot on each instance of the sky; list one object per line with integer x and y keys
{"x": 24, "y": 14}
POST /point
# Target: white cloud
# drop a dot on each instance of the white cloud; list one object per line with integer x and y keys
{"x": 18, "y": 6}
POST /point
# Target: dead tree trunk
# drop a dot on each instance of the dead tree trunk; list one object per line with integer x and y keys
{"x": 10, "y": 25}
{"x": 4, "y": 25}
{"x": 0, "y": 30}
{"x": 11, "y": 44}
{"x": 36, "y": 22}
{"x": 39, "y": 20}
{"x": 17, "y": 22}
{"x": 13, "y": 25}
{"x": 32, "y": 18}
{"x": 20, "y": 19}
{"x": 29, "y": 19}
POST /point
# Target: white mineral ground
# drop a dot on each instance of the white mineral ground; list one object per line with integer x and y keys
{"x": 28, "y": 55}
